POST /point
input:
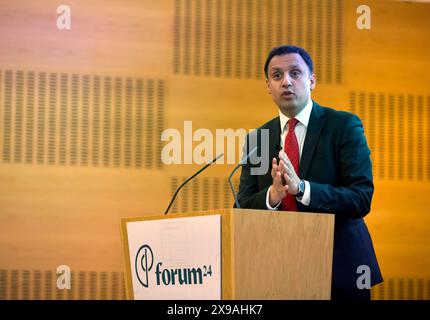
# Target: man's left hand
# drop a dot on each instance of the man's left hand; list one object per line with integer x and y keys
{"x": 289, "y": 174}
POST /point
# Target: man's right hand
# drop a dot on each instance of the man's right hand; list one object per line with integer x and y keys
{"x": 279, "y": 189}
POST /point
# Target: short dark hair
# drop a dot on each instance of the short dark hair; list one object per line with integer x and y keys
{"x": 286, "y": 49}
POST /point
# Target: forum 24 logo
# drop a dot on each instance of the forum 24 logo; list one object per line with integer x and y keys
{"x": 144, "y": 267}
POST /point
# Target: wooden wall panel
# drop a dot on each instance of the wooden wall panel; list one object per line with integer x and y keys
{"x": 81, "y": 113}
{"x": 106, "y": 37}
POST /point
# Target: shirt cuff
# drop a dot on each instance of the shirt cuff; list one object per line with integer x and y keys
{"x": 306, "y": 199}
{"x": 267, "y": 201}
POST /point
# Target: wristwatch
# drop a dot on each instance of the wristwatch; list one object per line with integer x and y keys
{"x": 301, "y": 192}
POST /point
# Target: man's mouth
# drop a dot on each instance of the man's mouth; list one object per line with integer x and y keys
{"x": 287, "y": 94}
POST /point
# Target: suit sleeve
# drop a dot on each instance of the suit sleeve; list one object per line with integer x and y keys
{"x": 250, "y": 196}
{"x": 352, "y": 198}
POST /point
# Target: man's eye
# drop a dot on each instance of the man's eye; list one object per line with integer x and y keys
{"x": 277, "y": 75}
{"x": 295, "y": 73}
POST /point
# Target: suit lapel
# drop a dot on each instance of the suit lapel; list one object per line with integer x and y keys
{"x": 274, "y": 136}
{"x": 274, "y": 139}
{"x": 316, "y": 123}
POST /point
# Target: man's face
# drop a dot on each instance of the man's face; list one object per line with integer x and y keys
{"x": 289, "y": 83}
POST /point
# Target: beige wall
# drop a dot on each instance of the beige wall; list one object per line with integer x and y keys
{"x": 81, "y": 113}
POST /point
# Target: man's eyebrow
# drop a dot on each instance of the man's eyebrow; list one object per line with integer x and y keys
{"x": 294, "y": 66}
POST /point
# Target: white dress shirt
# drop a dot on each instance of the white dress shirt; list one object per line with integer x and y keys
{"x": 300, "y": 131}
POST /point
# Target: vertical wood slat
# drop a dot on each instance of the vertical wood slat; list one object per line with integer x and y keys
{"x": 212, "y": 27}
{"x": 206, "y": 194}
{"x": 394, "y": 126}
{"x": 42, "y": 285}
{"x": 102, "y": 285}
{"x": 81, "y": 120}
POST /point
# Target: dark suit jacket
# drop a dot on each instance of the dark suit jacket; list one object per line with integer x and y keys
{"x": 336, "y": 162}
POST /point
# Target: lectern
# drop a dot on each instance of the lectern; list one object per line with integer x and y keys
{"x": 229, "y": 254}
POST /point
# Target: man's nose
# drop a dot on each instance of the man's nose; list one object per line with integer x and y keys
{"x": 286, "y": 82}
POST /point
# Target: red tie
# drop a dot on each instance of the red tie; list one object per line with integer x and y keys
{"x": 291, "y": 148}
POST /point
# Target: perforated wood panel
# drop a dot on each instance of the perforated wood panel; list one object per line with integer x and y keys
{"x": 82, "y": 120}
{"x": 81, "y": 112}
{"x": 202, "y": 194}
{"x": 402, "y": 289}
{"x": 397, "y": 128}
{"x": 232, "y": 38}
{"x": 103, "y": 285}
{"x": 38, "y": 284}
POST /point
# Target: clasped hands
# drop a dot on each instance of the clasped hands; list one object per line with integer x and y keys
{"x": 285, "y": 179}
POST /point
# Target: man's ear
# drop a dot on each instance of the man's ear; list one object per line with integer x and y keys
{"x": 313, "y": 81}
{"x": 268, "y": 87}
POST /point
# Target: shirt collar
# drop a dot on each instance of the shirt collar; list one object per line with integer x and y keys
{"x": 303, "y": 116}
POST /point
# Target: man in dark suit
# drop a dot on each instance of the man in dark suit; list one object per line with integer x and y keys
{"x": 329, "y": 169}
